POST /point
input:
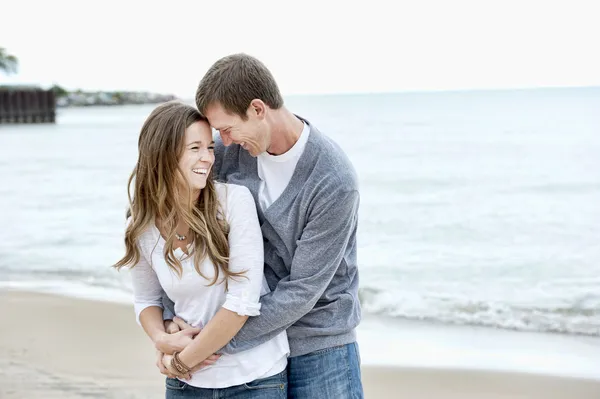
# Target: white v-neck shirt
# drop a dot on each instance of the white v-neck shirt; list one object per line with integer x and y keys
{"x": 196, "y": 302}
{"x": 275, "y": 171}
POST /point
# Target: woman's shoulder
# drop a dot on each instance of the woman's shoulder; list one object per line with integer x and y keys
{"x": 226, "y": 192}
{"x": 232, "y": 196}
{"x": 147, "y": 234}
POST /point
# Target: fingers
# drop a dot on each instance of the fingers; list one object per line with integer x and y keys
{"x": 161, "y": 366}
{"x": 208, "y": 362}
{"x": 180, "y": 323}
{"x": 205, "y": 363}
{"x": 171, "y": 327}
{"x": 191, "y": 331}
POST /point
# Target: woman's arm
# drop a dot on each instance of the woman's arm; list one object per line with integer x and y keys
{"x": 242, "y": 300}
{"x": 217, "y": 333}
{"x": 147, "y": 294}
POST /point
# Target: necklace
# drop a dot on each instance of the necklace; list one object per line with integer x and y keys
{"x": 180, "y": 237}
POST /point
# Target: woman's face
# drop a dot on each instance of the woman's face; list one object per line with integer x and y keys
{"x": 198, "y": 156}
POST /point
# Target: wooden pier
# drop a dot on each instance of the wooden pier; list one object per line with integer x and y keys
{"x": 27, "y": 105}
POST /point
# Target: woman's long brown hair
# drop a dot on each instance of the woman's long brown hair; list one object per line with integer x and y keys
{"x": 157, "y": 195}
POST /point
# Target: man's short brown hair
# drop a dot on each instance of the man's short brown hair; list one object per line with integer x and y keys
{"x": 234, "y": 81}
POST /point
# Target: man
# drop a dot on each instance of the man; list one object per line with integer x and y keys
{"x": 307, "y": 199}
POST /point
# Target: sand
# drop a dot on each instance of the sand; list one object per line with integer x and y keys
{"x": 60, "y": 347}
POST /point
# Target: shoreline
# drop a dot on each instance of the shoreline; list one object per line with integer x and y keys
{"x": 57, "y": 346}
{"x": 82, "y": 290}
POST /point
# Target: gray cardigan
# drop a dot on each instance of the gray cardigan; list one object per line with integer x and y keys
{"x": 310, "y": 248}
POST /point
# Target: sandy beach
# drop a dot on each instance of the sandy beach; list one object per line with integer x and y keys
{"x": 61, "y": 347}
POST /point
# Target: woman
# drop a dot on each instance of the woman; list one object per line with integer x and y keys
{"x": 201, "y": 243}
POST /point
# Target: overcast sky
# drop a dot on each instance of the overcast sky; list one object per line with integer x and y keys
{"x": 310, "y": 46}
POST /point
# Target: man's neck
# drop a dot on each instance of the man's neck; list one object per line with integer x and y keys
{"x": 286, "y": 130}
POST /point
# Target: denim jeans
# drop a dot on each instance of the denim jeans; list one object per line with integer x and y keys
{"x": 274, "y": 387}
{"x": 332, "y": 373}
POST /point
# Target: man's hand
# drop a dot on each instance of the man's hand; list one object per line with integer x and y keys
{"x": 171, "y": 343}
{"x": 180, "y": 324}
{"x": 161, "y": 366}
{"x": 208, "y": 362}
{"x": 171, "y": 327}
{"x": 179, "y": 335}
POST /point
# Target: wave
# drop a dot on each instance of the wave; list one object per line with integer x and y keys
{"x": 581, "y": 317}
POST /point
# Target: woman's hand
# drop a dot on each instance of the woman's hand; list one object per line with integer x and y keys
{"x": 176, "y": 342}
{"x": 161, "y": 367}
{"x": 166, "y": 368}
{"x": 166, "y": 362}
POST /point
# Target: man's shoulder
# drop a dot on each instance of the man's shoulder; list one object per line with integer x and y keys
{"x": 229, "y": 150}
{"x": 331, "y": 162}
{"x": 227, "y": 159}
{"x": 230, "y": 155}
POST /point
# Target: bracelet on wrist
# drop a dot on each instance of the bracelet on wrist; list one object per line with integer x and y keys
{"x": 179, "y": 365}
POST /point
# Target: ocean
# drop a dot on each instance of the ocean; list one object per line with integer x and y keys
{"x": 477, "y": 207}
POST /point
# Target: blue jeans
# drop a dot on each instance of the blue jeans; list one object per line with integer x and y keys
{"x": 274, "y": 387}
{"x": 332, "y": 373}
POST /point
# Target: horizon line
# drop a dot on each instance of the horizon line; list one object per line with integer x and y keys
{"x": 342, "y": 93}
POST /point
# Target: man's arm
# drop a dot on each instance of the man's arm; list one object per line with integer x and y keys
{"x": 319, "y": 253}
{"x": 168, "y": 307}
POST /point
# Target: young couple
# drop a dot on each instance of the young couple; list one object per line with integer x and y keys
{"x": 243, "y": 249}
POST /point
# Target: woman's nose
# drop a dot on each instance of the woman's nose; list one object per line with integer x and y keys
{"x": 205, "y": 155}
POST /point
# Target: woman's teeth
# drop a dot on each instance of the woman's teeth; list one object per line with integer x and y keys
{"x": 200, "y": 171}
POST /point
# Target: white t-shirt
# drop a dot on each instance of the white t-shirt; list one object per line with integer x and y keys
{"x": 196, "y": 302}
{"x": 275, "y": 171}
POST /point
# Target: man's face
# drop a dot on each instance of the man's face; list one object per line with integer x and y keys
{"x": 251, "y": 133}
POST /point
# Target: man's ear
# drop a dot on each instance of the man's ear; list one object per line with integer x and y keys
{"x": 258, "y": 108}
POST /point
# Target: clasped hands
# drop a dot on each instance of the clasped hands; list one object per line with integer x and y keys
{"x": 178, "y": 335}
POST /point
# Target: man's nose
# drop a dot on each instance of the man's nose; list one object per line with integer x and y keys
{"x": 226, "y": 139}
